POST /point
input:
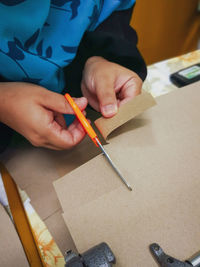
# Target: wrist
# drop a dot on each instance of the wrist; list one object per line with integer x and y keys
{"x": 94, "y": 59}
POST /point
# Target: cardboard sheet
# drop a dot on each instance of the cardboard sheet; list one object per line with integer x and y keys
{"x": 11, "y": 250}
{"x": 158, "y": 153}
{"x": 126, "y": 112}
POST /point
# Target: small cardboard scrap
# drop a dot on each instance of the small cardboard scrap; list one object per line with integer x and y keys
{"x": 159, "y": 154}
{"x": 126, "y": 112}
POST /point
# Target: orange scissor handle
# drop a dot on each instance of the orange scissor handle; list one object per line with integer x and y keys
{"x": 84, "y": 122}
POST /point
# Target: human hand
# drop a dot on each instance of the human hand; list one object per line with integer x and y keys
{"x": 36, "y": 113}
{"x": 108, "y": 85}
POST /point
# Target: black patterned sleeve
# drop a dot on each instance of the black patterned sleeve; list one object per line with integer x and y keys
{"x": 114, "y": 40}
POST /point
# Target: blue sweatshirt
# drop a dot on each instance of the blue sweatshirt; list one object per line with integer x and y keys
{"x": 39, "y": 38}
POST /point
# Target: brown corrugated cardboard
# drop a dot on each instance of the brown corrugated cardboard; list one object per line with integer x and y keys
{"x": 126, "y": 112}
{"x": 159, "y": 154}
{"x": 11, "y": 250}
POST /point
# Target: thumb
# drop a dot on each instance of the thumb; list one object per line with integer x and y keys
{"x": 106, "y": 96}
{"x": 58, "y": 103}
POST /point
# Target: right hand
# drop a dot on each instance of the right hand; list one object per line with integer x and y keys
{"x": 36, "y": 113}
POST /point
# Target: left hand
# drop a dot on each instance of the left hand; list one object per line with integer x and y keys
{"x": 108, "y": 85}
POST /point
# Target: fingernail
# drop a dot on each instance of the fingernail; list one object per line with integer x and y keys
{"x": 109, "y": 110}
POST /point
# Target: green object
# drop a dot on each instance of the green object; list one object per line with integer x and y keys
{"x": 191, "y": 72}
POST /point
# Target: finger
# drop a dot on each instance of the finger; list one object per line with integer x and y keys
{"x": 91, "y": 96}
{"x": 57, "y": 102}
{"x": 130, "y": 89}
{"x": 106, "y": 95}
{"x": 47, "y": 145}
{"x": 59, "y": 118}
{"x": 76, "y": 126}
{"x": 65, "y": 138}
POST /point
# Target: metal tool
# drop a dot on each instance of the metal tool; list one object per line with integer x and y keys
{"x": 98, "y": 256}
{"x": 165, "y": 260}
{"x": 90, "y": 131}
{"x": 113, "y": 165}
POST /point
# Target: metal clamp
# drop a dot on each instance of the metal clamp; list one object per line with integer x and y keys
{"x": 98, "y": 256}
{"x": 165, "y": 260}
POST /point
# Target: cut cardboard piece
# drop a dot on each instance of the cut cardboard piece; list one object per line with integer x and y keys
{"x": 126, "y": 112}
{"x": 11, "y": 250}
{"x": 159, "y": 154}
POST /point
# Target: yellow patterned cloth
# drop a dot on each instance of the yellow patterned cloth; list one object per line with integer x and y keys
{"x": 52, "y": 255}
